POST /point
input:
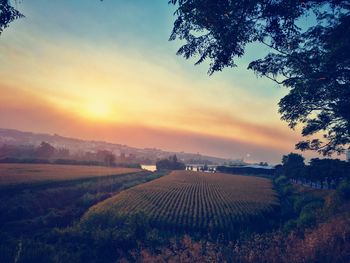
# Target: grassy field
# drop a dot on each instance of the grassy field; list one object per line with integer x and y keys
{"x": 195, "y": 201}
{"x": 31, "y": 173}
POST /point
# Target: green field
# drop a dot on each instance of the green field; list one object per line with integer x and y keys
{"x": 195, "y": 201}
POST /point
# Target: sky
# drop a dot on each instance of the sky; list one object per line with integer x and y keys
{"x": 106, "y": 71}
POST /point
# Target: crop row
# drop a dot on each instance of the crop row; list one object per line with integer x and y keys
{"x": 196, "y": 200}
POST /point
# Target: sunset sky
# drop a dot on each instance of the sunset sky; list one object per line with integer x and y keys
{"x": 106, "y": 71}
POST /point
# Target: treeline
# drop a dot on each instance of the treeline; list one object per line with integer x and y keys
{"x": 171, "y": 163}
{"x": 46, "y": 153}
{"x": 322, "y": 173}
{"x": 43, "y": 151}
{"x": 325, "y": 173}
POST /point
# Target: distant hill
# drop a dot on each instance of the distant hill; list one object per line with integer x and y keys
{"x": 148, "y": 155}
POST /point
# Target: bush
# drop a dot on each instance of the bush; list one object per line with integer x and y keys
{"x": 280, "y": 180}
{"x": 170, "y": 164}
{"x": 302, "y": 201}
{"x": 308, "y": 216}
{"x": 306, "y": 219}
{"x": 343, "y": 190}
{"x": 289, "y": 226}
{"x": 312, "y": 207}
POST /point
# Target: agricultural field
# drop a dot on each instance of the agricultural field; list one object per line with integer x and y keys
{"x": 35, "y": 198}
{"x": 30, "y": 173}
{"x": 195, "y": 201}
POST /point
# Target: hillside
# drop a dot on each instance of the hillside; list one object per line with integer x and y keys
{"x": 146, "y": 155}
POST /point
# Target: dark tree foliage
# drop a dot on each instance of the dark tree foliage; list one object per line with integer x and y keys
{"x": 312, "y": 61}
{"x": 293, "y": 166}
{"x": 45, "y": 150}
{"x": 7, "y": 14}
{"x": 170, "y": 164}
{"x": 328, "y": 170}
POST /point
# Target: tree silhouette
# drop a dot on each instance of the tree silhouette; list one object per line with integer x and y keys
{"x": 7, "y": 14}
{"x": 293, "y": 165}
{"x": 313, "y": 62}
{"x": 45, "y": 150}
{"x": 170, "y": 163}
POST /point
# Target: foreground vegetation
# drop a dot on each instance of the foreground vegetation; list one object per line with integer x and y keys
{"x": 182, "y": 217}
{"x": 30, "y": 213}
{"x": 314, "y": 227}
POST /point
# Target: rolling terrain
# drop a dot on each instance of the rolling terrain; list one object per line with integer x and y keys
{"x": 77, "y": 146}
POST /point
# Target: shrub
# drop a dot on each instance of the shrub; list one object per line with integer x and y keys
{"x": 280, "y": 180}
{"x": 344, "y": 190}
{"x": 301, "y": 201}
{"x": 287, "y": 190}
{"x": 306, "y": 219}
{"x": 289, "y": 226}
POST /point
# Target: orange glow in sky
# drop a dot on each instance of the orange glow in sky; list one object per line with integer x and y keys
{"x": 96, "y": 78}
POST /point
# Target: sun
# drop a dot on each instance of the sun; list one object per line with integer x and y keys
{"x": 98, "y": 110}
